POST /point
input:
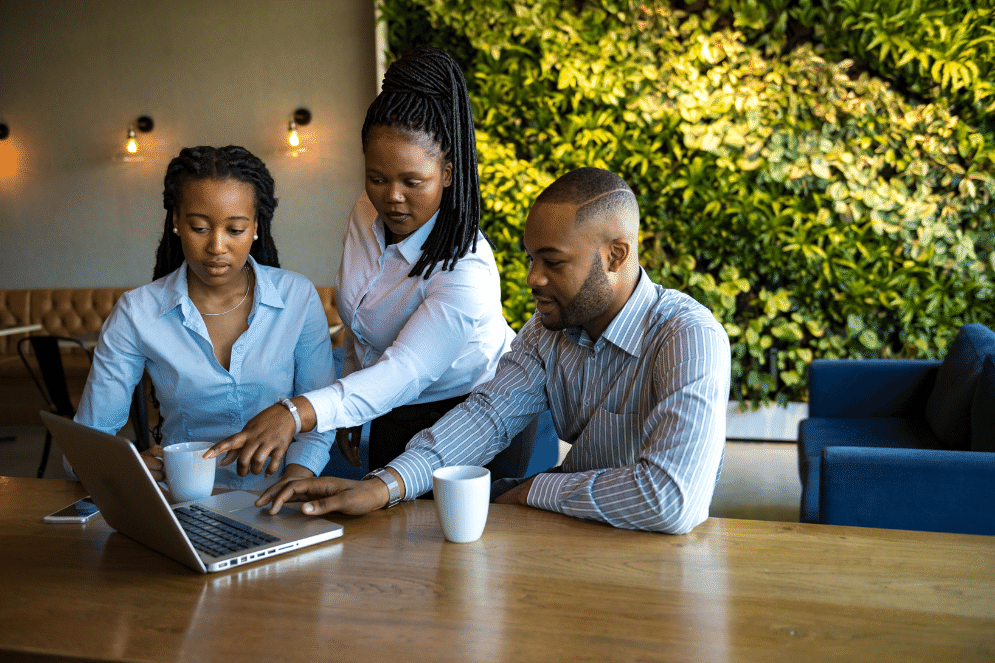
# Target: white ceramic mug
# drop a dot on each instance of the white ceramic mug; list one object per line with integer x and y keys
{"x": 462, "y": 496}
{"x": 189, "y": 475}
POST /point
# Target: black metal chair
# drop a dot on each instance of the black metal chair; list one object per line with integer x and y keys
{"x": 140, "y": 416}
{"x": 49, "y": 375}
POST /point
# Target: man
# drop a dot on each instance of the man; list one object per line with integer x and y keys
{"x": 636, "y": 378}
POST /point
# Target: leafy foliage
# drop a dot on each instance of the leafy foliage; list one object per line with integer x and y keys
{"x": 815, "y": 213}
{"x": 939, "y": 50}
{"x": 933, "y": 50}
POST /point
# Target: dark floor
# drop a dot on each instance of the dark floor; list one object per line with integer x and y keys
{"x": 759, "y": 479}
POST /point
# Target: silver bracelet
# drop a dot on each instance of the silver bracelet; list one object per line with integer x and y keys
{"x": 286, "y": 402}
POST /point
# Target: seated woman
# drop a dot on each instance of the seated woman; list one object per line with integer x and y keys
{"x": 418, "y": 287}
{"x": 222, "y": 331}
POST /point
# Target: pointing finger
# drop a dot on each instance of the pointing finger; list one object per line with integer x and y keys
{"x": 228, "y": 444}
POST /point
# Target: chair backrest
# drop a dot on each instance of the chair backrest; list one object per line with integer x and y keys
{"x": 47, "y": 372}
{"x": 140, "y": 416}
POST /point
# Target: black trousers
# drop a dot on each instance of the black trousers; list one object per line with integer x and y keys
{"x": 391, "y": 432}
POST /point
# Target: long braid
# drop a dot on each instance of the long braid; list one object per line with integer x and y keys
{"x": 425, "y": 92}
{"x": 216, "y": 163}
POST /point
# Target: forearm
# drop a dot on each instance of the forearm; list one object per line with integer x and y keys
{"x": 414, "y": 352}
{"x": 305, "y": 411}
{"x": 461, "y": 437}
{"x": 472, "y": 433}
{"x": 360, "y": 396}
{"x": 295, "y": 471}
{"x": 310, "y": 450}
{"x": 632, "y": 497}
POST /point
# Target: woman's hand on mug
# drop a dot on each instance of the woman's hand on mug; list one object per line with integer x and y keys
{"x": 153, "y": 460}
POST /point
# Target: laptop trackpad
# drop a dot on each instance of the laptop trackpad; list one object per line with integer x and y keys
{"x": 230, "y": 502}
{"x": 240, "y": 500}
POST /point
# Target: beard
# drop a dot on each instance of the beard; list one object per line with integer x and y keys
{"x": 593, "y": 299}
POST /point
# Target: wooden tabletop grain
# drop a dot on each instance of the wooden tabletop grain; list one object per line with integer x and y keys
{"x": 537, "y": 586}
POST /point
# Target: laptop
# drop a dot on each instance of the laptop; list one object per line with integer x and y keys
{"x": 207, "y": 535}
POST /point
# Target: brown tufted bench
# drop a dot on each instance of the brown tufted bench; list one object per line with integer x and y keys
{"x": 68, "y": 312}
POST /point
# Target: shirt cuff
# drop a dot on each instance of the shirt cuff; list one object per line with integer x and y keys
{"x": 325, "y": 403}
{"x": 310, "y": 451}
{"x": 545, "y": 490}
{"x": 415, "y": 468}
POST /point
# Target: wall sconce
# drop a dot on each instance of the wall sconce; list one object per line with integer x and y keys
{"x": 8, "y": 154}
{"x": 144, "y": 125}
{"x": 301, "y": 118}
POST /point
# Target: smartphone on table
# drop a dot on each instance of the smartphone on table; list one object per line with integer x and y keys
{"x": 79, "y": 511}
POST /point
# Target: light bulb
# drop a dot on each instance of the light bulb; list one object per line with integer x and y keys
{"x": 132, "y": 145}
{"x": 293, "y": 139}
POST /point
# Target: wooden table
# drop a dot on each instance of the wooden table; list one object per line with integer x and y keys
{"x": 537, "y": 587}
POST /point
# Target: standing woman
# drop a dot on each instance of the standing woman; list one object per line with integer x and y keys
{"x": 418, "y": 287}
{"x": 222, "y": 331}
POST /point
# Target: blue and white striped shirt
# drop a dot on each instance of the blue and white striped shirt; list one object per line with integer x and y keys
{"x": 644, "y": 408}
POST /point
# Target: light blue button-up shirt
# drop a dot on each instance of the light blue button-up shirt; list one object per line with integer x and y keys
{"x": 410, "y": 339}
{"x": 285, "y": 351}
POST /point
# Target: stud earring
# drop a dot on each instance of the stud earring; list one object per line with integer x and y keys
{"x": 175, "y": 231}
{"x": 255, "y": 237}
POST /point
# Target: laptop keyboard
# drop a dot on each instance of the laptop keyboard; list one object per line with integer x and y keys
{"x": 218, "y": 535}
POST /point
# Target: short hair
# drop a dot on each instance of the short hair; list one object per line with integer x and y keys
{"x": 425, "y": 92}
{"x": 216, "y": 163}
{"x": 598, "y": 193}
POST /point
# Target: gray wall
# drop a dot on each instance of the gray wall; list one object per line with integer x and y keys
{"x": 74, "y": 74}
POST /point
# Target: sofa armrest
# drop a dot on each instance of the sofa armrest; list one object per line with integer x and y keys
{"x": 917, "y": 489}
{"x": 870, "y": 387}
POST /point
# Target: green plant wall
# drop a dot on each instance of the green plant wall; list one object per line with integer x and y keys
{"x": 816, "y": 212}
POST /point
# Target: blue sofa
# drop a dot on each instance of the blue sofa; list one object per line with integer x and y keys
{"x": 905, "y": 444}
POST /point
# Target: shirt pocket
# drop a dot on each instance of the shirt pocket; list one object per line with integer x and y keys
{"x": 608, "y": 440}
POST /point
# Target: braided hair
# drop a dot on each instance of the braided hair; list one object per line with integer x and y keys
{"x": 425, "y": 92}
{"x": 216, "y": 163}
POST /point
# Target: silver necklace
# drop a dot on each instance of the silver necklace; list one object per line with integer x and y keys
{"x": 248, "y": 282}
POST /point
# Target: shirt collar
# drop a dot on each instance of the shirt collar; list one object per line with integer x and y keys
{"x": 410, "y": 247}
{"x": 174, "y": 290}
{"x": 265, "y": 292}
{"x": 624, "y": 331}
{"x": 175, "y": 293}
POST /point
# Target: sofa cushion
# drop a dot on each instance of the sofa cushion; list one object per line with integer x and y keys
{"x": 817, "y": 433}
{"x": 948, "y": 409}
{"x": 929, "y": 490}
{"x": 983, "y": 409}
